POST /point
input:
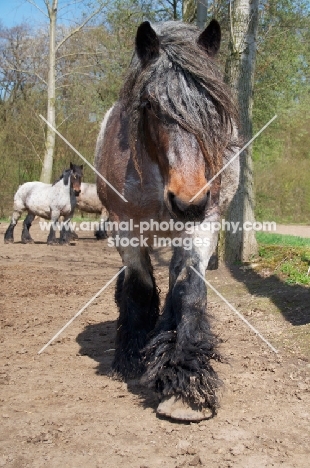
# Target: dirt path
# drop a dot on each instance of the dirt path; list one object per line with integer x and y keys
{"x": 61, "y": 408}
{"x": 293, "y": 230}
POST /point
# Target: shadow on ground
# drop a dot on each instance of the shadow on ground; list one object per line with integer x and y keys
{"x": 293, "y": 301}
{"x": 97, "y": 341}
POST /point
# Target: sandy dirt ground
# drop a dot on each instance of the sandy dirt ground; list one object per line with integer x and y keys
{"x": 293, "y": 230}
{"x": 62, "y": 409}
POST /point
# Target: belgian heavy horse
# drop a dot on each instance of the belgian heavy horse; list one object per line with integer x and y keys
{"x": 49, "y": 202}
{"x": 172, "y": 129}
{"x": 88, "y": 202}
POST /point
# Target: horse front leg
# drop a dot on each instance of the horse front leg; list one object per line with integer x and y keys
{"x": 9, "y": 233}
{"x": 26, "y": 237}
{"x": 137, "y": 299}
{"x": 179, "y": 357}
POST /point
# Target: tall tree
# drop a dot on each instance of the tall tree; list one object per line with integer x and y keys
{"x": 202, "y": 13}
{"x": 240, "y": 70}
{"x": 52, "y": 13}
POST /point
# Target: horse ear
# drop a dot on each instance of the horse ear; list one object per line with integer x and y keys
{"x": 210, "y": 38}
{"x": 82, "y": 166}
{"x": 147, "y": 43}
{"x": 71, "y": 166}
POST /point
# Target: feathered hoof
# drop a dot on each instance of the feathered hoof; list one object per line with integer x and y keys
{"x": 54, "y": 242}
{"x": 101, "y": 235}
{"x": 127, "y": 370}
{"x": 27, "y": 241}
{"x": 73, "y": 236}
{"x": 9, "y": 241}
{"x": 175, "y": 407}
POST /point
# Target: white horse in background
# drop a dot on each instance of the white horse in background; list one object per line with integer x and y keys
{"x": 49, "y": 202}
{"x": 89, "y": 202}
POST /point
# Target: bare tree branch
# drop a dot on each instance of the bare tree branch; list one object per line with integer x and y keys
{"x": 78, "y": 28}
{"x": 27, "y": 72}
{"x": 37, "y": 7}
{"x": 74, "y": 54}
{"x": 24, "y": 133}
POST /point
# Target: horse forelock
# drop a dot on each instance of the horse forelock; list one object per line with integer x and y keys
{"x": 185, "y": 83}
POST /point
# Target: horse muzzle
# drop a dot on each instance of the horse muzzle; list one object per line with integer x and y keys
{"x": 77, "y": 192}
{"x": 183, "y": 210}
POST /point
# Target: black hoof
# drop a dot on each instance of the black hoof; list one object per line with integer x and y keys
{"x": 101, "y": 235}
{"x": 213, "y": 263}
{"x": 53, "y": 242}
{"x": 27, "y": 241}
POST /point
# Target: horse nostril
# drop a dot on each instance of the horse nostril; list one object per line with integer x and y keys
{"x": 180, "y": 205}
{"x": 176, "y": 202}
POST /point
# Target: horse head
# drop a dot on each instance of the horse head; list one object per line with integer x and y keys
{"x": 180, "y": 113}
{"x": 76, "y": 173}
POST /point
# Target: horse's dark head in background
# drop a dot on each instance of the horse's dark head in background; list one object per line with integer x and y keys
{"x": 179, "y": 110}
{"x": 75, "y": 175}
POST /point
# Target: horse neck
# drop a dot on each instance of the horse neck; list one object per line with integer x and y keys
{"x": 64, "y": 188}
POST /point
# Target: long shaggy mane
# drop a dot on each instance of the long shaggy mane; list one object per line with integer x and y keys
{"x": 186, "y": 85}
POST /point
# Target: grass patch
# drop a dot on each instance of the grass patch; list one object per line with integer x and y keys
{"x": 287, "y": 257}
{"x": 280, "y": 239}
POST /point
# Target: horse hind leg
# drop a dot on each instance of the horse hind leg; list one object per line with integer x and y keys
{"x": 26, "y": 237}
{"x": 66, "y": 233}
{"x": 101, "y": 232}
{"x": 137, "y": 298}
{"x": 9, "y": 233}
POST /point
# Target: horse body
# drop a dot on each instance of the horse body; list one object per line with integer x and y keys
{"x": 89, "y": 202}
{"x": 88, "y": 199}
{"x": 42, "y": 199}
{"x": 171, "y": 131}
{"x": 47, "y": 201}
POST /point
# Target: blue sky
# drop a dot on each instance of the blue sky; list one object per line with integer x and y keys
{"x": 13, "y": 12}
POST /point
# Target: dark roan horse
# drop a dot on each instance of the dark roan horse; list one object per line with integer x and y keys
{"x": 171, "y": 131}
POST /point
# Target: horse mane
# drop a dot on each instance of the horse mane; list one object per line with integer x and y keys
{"x": 186, "y": 84}
{"x": 65, "y": 175}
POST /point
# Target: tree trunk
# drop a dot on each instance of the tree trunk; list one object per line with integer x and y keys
{"x": 47, "y": 167}
{"x": 189, "y": 9}
{"x": 202, "y": 13}
{"x": 240, "y": 68}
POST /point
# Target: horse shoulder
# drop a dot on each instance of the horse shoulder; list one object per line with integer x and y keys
{"x": 112, "y": 155}
{"x": 61, "y": 198}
